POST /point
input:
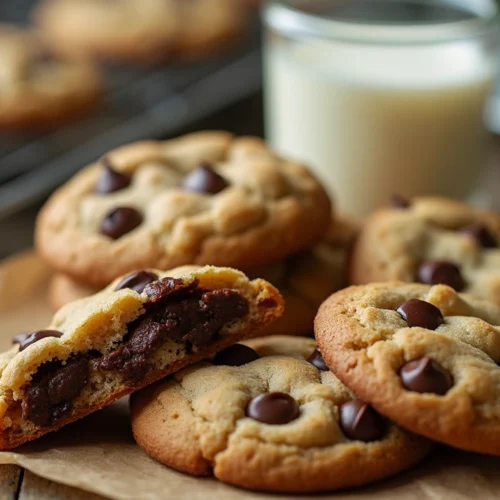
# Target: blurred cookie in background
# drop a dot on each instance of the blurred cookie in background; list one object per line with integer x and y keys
{"x": 202, "y": 198}
{"x": 39, "y": 88}
{"x": 142, "y": 31}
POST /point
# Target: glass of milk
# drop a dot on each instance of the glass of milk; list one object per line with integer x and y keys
{"x": 381, "y": 97}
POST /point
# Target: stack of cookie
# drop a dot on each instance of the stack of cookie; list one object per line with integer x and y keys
{"x": 206, "y": 198}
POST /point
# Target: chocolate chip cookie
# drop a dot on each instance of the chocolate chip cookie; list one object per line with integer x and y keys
{"x": 308, "y": 277}
{"x": 206, "y": 198}
{"x": 424, "y": 356}
{"x": 305, "y": 279}
{"x": 433, "y": 241}
{"x": 268, "y": 415}
{"x": 139, "y": 329}
{"x": 64, "y": 289}
{"x": 143, "y": 31}
{"x": 38, "y": 88}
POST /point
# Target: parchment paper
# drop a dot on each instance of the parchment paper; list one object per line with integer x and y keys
{"x": 98, "y": 453}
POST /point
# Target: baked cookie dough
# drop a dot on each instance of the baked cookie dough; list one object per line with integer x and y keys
{"x": 268, "y": 415}
{"x": 136, "y": 331}
{"x": 205, "y": 198}
{"x": 433, "y": 241}
{"x": 423, "y": 356}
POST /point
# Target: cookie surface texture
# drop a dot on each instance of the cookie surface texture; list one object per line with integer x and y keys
{"x": 270, "y": 424}
{"x": 432, "y": 241}
{"x": 308, "y": 277}
{"x": 423, "y": 356}
{"x": 205, "y": 198}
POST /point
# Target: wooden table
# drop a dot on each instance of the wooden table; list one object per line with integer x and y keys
{"x": 16, "y": 483}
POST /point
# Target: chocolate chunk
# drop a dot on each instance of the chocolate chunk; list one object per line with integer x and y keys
{"x": 168, "y": 287}
{"x": 36, "y": 336}
{"x": 420, "y": 313}
{"x": 274, "y": 408}
{"x": 235, "y": 355}
{"x": 435, "y": 272}
{"x": 53, "y": 388}
{"x": 137, "y": 281}
{"x": 317, "y": 360}
{"x": 21, "y": 337}
{"x": 205, "y": 180}
{"x": 183, "y": 313}
{"x": 426, "y": 375}
{"x": 360, "y": 421}
{"x": 481, "y": 234}
{"x": 399, "y": 201}
{"x": 120, "y": 221}
{"x": 111, "y": 180}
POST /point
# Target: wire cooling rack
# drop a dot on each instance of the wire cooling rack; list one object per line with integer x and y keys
{"x": 139, "y": 103}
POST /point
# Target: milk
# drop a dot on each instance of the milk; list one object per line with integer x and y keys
{"x": 374, "y": 120}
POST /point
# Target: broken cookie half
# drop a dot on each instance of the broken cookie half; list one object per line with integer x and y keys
{"x": 137, "y": 330}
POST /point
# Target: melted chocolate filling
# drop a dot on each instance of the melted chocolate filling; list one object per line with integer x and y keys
{"x": 184, "y": 313}
{"x": 54, "y": 386}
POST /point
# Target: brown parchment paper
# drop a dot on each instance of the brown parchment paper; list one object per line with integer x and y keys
{"x": 98, "y": 453}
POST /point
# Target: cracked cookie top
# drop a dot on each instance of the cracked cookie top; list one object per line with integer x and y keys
{"x": 424, "y": 356}
{"x": 269, "y": 415}
{"x": 206, "y": 198}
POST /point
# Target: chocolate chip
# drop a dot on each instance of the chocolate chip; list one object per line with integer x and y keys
{"x": 137, "y": 281}
{"x": 235, "y": 355}
{"x": 21, "y": 337}
{"x": 420, "y": 313}
{"x": 205, "y": 180}
{"x": 435, "y": 272}
{"x": 426, "y": 375}
{"x": 317, "y": 360}
{"x": 53, "y": 388}
{"x": 120, "y": 221}
{"x": 399, "y": 201}
{"x": 111, "y": 180}
{"x": 360, "y": 421}
{"x": 481, "y": 234}
{"x": 274, "y": 408}
{"x": 36, "y": 336}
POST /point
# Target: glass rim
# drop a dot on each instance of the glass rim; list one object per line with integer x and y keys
{"x": 286, "y": 18}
